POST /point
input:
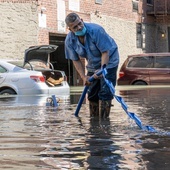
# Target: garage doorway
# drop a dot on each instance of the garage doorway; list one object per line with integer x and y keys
{"x": 58, "y": 59}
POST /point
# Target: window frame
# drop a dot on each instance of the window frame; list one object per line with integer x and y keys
{"x": 98, "y": 2}
{"x": 148, "y": 59}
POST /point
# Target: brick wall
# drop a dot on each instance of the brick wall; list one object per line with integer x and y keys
{"x": 18, "y": 28}
{"x": 20, "y": 25}
{"x": 117, "y": 17}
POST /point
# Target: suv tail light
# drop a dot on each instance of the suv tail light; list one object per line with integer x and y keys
{"x": 38, "y": 78}
{"x": 121, "y": 74}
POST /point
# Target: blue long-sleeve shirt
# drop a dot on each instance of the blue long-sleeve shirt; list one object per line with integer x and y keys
{"x": 96, "y": 41}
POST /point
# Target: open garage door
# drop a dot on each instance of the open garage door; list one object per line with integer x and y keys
{"x": 58, "y": 58}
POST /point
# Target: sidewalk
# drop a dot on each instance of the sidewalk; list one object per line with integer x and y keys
{"x": 77, "y": 89}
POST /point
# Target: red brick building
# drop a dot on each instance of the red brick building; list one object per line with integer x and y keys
{"x": 137, "y": 26}
{"x": 156, "y": 18}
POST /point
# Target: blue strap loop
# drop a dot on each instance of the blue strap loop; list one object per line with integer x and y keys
{"x": 124, "y": 105}
{"x": 131, "y": 115}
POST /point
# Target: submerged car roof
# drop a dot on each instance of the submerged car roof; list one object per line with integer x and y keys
{"x": 40, "y": 53}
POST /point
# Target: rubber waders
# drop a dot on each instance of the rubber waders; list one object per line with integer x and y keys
{"x": 104, "y": 108}
{"x": 94, "y": 109}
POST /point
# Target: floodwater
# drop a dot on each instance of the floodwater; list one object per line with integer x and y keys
{"x": 34, "y": 136}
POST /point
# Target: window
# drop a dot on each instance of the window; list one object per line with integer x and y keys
{"x": 162, "y": 62}
{"x": 135, "y": 5}
{"x": 2, "y": 70}
{"x": 98, "y": 1}
{"x": 139, "y": 35}
{"x": 141, "y": 62}
{"x": 149, "y": 2}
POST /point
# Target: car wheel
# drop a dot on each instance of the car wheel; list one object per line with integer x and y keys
{"x": 139, "y": 83}
{"x": 7, "y": 92}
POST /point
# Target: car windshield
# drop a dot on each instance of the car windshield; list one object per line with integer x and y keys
{"x": 141, "y": 62}
{"x": 17, "y": 63}
{"x": 16, "y": 68}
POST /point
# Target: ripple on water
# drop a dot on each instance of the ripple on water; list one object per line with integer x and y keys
{"x": 37, "y": 137}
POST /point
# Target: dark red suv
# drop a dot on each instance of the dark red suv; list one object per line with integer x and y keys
{"x": 145, "y": 69}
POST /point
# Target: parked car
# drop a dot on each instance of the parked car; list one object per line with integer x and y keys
{"x": 16, "y": 80}
{"x": 38, "y": 58}
{"x": 36, "y": 61}
{"x": 145, "y": 69}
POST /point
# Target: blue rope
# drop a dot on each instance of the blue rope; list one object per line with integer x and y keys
{"x": 131, "y": 115}
{"x": 125, "y": 108}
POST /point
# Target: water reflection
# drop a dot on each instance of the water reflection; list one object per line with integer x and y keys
{"x": 34, "y": 136}
{"x": 101, "y": 146}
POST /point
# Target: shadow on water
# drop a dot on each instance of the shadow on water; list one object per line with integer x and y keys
{"x": 34, "y": 136}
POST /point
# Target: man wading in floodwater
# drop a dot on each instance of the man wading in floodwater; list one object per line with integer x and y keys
{"x": 90, "y": 41}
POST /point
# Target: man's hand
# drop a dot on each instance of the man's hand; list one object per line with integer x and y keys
{"x": 86, "y": 81}
{"x": 95, "y": 76}
{"x": 86, "y": 78}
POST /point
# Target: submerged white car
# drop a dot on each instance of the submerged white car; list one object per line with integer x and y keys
{"x": 16, "y": 80}
{"x": 36, "y": 76}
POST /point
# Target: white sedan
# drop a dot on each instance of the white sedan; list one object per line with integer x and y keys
{"x": 20, "y": 81}
{"x": 16, "y": 80}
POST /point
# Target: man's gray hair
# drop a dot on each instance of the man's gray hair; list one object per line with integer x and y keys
{"x": 71, "y": 18}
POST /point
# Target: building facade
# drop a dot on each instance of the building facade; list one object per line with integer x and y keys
{"x": 136, "y": 25}
{"x": 156, "y": 25}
